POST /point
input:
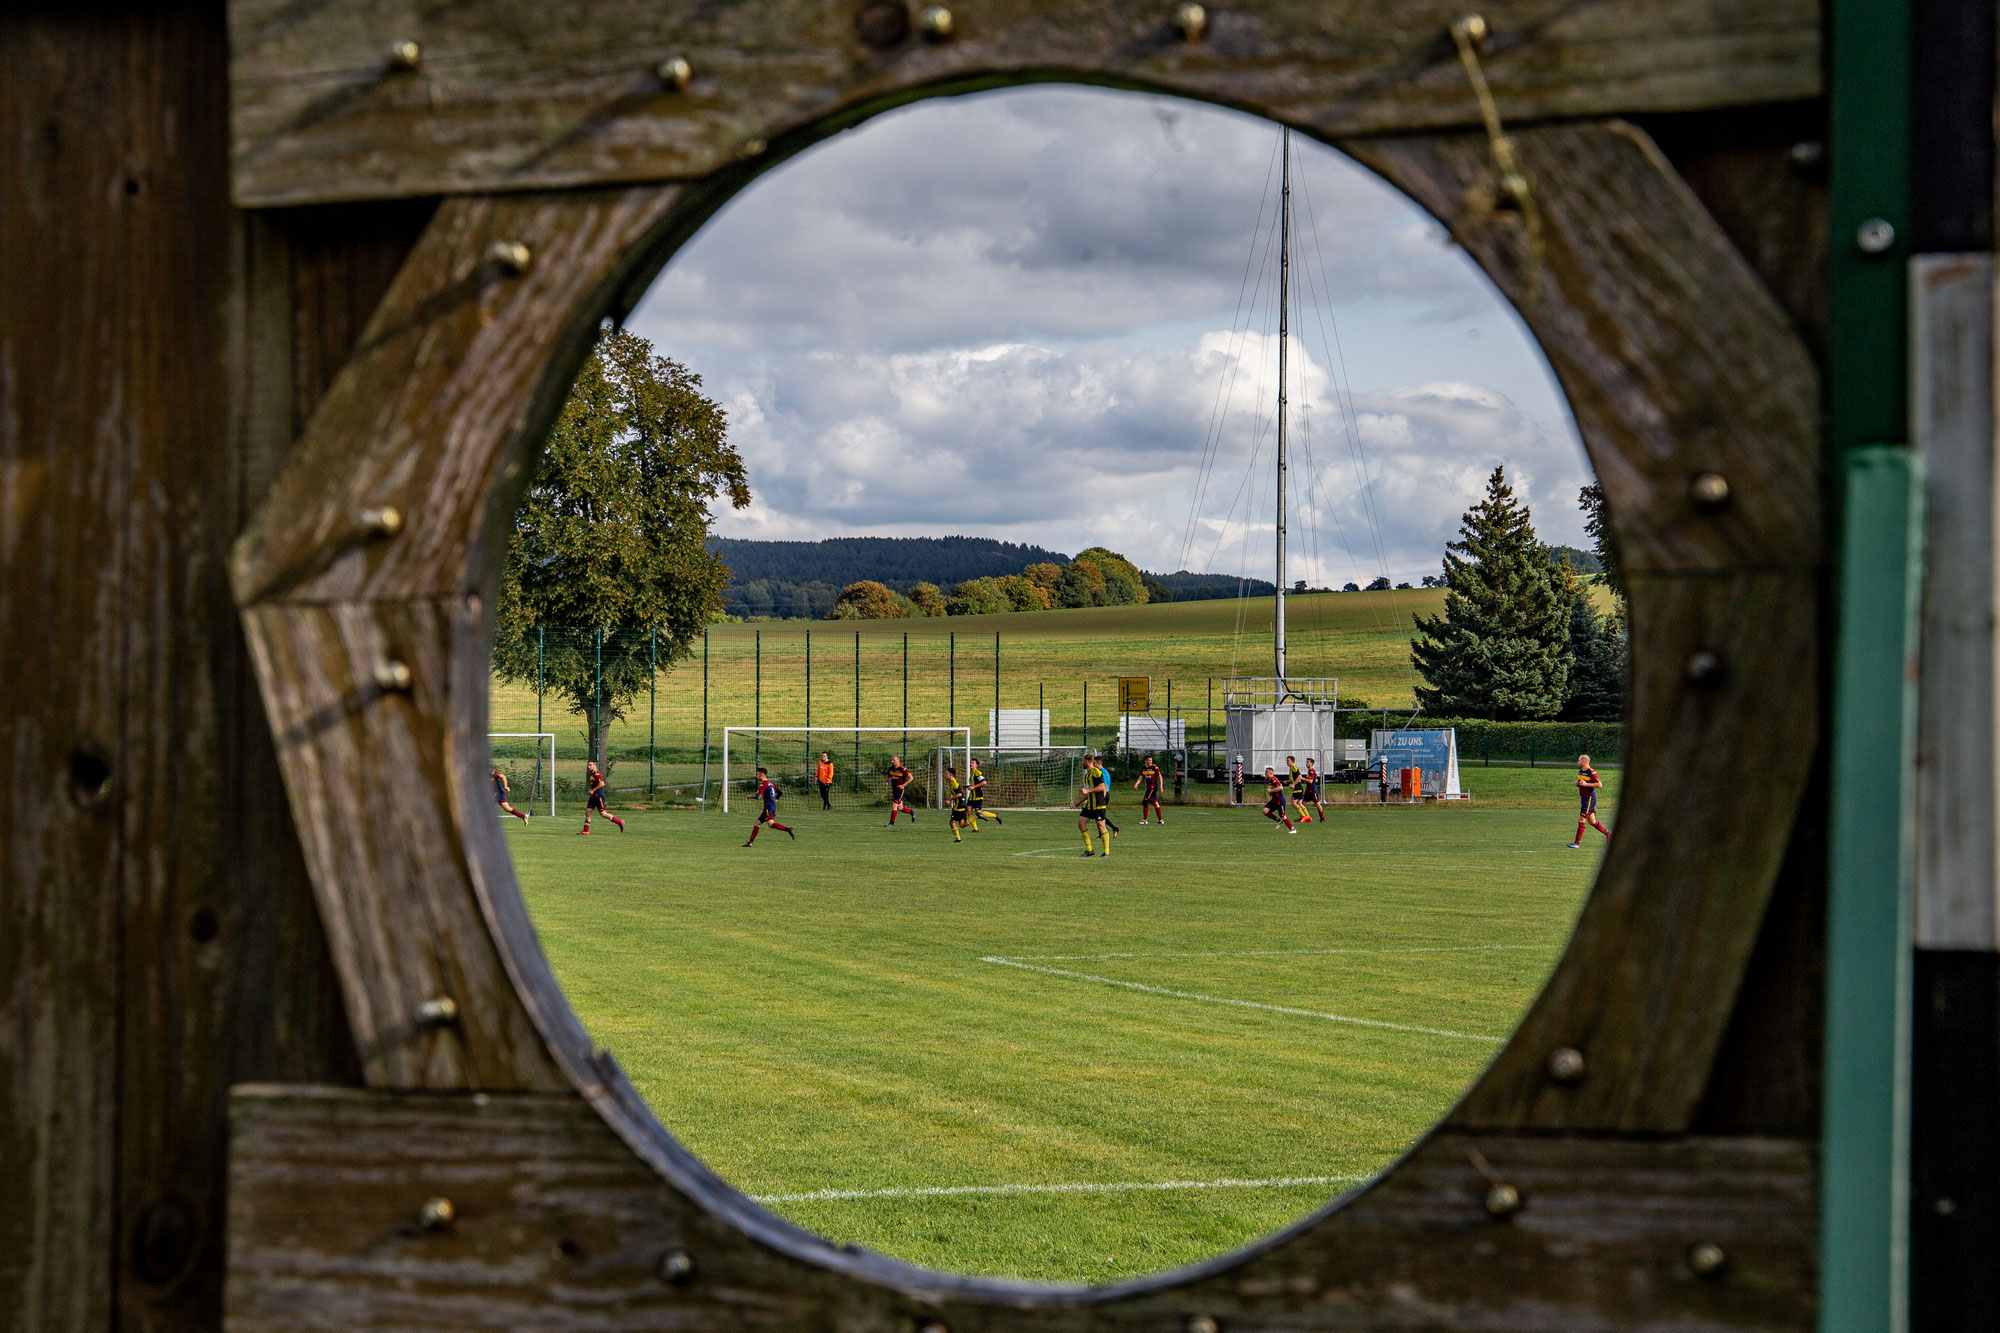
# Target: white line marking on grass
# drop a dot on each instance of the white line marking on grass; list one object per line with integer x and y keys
{"x": 1241, "y": 1004}
{"x": 1109, "y": 1187}
{"x": 1272, "y": 953}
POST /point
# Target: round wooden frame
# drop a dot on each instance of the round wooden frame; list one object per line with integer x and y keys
{"x": 575, "y": 1208}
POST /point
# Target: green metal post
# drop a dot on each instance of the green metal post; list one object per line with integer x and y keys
{"x": 951, "y": 675}
{"x": 1086, "y": 715}
{"x": 652, "y": 707}
{"x": 809, "y": 687}
{"x": 1864, "y": 1150}
{"x": 857, "y": 707}
{"x": 540, "y": 641}
{"x": 598, "y": 746}
{"x": 906, "y": 690}
{"x": 704, "y": 720}
{"x": 757, "y": 715}
{"x": 993, "y": 731}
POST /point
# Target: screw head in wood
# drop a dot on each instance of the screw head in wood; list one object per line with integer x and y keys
{"x": 882, "y": 24}
{"x": 382, "y": 521}
{"x": 1203, "y": 1323}
{"x": 1472, "y": 27}
{"x": 755, "y": 148}
{"x": 935, "y": 23}
{"x": 1707, "y": 1259}
{"x": 934, "y": 1326}
{"x": 509, "y": 256}
{"x": 1502, "y": 1201}
{"x": 89, "y": 779}
{"x": 436, "y": 1214}
{"x": 1566, "y": 1065}
{"x": 1703, "y": 670}
{"x": 676, "y": 73}
{"x": 1875, "y": 236}
{"x": 1709, "y": 491}
{"x": 437, "y": 1013}
{"x": 676, "y": 1267}
{"x": 392, "y": 677}
{"x": 1191, "y": 21}
{"x": 403, "y": 56}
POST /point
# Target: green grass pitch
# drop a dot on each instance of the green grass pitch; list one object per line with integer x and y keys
{"x": 827, "y": 1023}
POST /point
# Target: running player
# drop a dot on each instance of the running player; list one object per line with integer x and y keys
{"x": 1295, "y": 788}
{"x": 594, "y": 793}
{"x": 1274, "y": 799}
{"x": 500, "y": 790}
{"x": 767, "y": 795}
{"x": 1587, "y": 785}
{"x": 978, "y": 796}
{"x": 899, "y": 782}
{"x": 1096, "y": 801}
{"x": 961, "y": 811}
{"x": 823, "y": 775}
{"x": 1313, "y": 793}
{"x": 1149, "y": 779}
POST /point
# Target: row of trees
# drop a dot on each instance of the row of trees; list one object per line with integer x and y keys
{"x": 1519, "y": 637}
{"x": 1096, "y": 577}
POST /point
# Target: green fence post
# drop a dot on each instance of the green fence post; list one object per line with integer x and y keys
{"x": 757, "y": 715}
{"x": 906, "y": 692}
{"x": 951, "y": 678}
{"x": 1086, "y": 715}
{"x": 652, "y": 707}
{"x": 809, "y": 688}
{"x": 703, "y": 802}
{"x": 992, "y": 732}
{"x": 598, "y": 746}
{"x": 857, "y": 700}
{"x": 540, "y": 640}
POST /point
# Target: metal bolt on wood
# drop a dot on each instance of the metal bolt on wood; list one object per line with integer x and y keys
{"x": 1502, "y": 1201}
{"x": 1202, "y": 1323}
{"x": 1708, "y": 491}
{"x": 382, "y": 522}
{"x": 509, "y": 256}
{"x": 934, "y": 1326}
{"x": 1192, "y": 22}
{"x": 437, "y": 1013}
{"x": 392, "y": 677}
{"x": 1703, "y": 670}
{"x": 1472, "y": 27}
{"x": 935, "y": 23}
{"x": 1707, "y": 1259}
{"x": 1875, "y": 236}
{"x": 1566, "y": 1065}
{"x": 403, "y": 56}
{"x": 755, "y": 148}
{"x": 676, "y": 73}
{"x": 436, "y": 1214}
{"x": 676, "y": 1267}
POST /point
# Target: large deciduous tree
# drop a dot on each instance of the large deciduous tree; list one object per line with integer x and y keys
{"x": 610, "y": 543}
{"x": 1500, "y": 650}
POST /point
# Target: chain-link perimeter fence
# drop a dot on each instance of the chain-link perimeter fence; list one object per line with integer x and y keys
{"x": 656, "y": 726}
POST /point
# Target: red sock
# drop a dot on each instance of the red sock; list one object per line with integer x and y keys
{"x": 1579, "y": 830}
{"x": 894, "y": 810}
{"x": 781, "y": 828}
{"x": 1288, "y": 823}
{"x": 616, "y": 820}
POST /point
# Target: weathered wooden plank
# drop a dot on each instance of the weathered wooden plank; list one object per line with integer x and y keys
{"x": 1951, "y": 410}
{"x": 1674, "y": 357}
{"x": 508, "y": 96}
{"x": 459, "y": 366}
{"x": 1647, "y": 986}
{"x": 559, "y": 1227}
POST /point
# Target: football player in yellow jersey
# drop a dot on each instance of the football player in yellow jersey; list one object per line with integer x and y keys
{"x": 961, "y": 813}
{"x": 1096, "y": 801}
{"x": 977, "y": 784}
{"x": 1295, "y": 789}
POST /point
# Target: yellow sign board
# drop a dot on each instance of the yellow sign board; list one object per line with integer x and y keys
{"x": 1133, "y": 693}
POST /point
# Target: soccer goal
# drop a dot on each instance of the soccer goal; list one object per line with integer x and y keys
{"x": 860, "y": 757}
{"x": 528, "y": 758}
{"x": 1048, "y": 778}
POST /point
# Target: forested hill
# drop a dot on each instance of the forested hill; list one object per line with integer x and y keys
{"x": 896, "y": 561}
{"x": 803, "y": 578}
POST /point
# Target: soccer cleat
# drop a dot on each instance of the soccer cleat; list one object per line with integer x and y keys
{"x": 793, "y": 836}
{"x": 749, "y": 843}
{"x": 1573, "y": 846}
{"x": 890, "y": 824}
{"x": 1291, "y": 830}
{"x": 998, "y": 820}
{"x": 583, "y": 833}
{"x": 1088, "y": 852}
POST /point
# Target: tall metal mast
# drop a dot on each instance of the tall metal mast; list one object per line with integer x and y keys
{"x": 1284, "y": 332}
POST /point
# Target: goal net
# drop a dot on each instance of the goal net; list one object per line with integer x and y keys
{"x": 860, "y": 757}
{"x": 528, "y": 761}
{"x": 1042, "y": 779}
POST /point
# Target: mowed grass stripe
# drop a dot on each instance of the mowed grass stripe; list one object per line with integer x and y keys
{"x": 814, "y": 1017}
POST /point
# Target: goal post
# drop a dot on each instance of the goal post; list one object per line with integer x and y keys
{"x": 860, "y": 758}
{"x": 528, "y": 758}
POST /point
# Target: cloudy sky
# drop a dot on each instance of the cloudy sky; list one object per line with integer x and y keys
{"x": 1048, "y": 315}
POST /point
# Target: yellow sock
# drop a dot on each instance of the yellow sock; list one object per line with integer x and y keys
{"x": 1106, "y": 835}
{"x": 1086, "y": 840}
{"x": 955, "y": 837}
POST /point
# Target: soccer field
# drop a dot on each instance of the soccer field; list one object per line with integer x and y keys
{"x": 1001, "y": 1057}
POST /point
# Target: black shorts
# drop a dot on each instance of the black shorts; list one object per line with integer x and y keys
{"x": 1096, "y": 811}
{"x": 958, "y": 810}
{"x": 979, "y": 803}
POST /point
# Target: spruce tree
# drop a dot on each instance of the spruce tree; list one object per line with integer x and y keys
{"x": 1596, "y": 690}
{"x": 1501, "y": 648}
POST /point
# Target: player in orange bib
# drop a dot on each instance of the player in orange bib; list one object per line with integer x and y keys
{"x": 823, "y": 775}
{"x": 1587, "y": 786}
